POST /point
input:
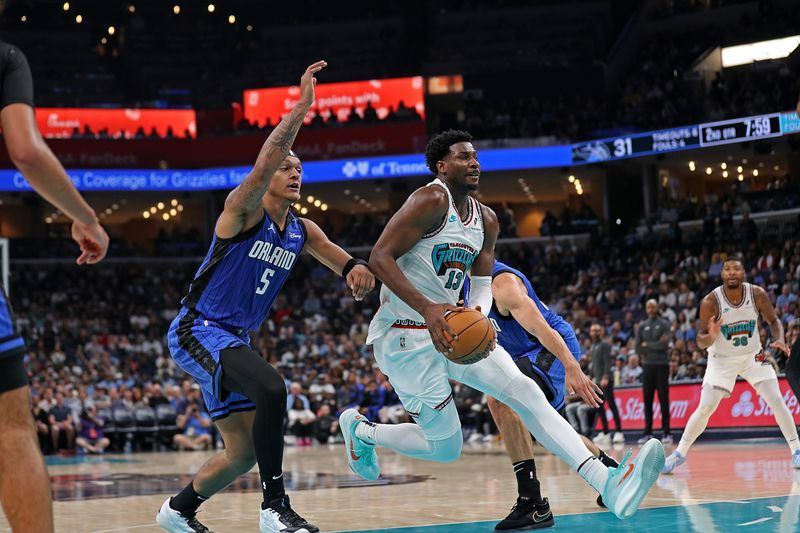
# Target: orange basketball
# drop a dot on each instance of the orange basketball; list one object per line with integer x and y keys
{"x": 475, "y": 334}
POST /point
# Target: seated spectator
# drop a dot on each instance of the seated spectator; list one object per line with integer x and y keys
{"x": 326, "y": 426}
{"x": 301, "y": 423}
{"x": 632, "y": 371}
{"x": 42, "y": 421}
{"x": 195, "y": 425}
{"x": 90, "y": 436}
{"x": 580, "y": 415}
{"x": 61, "y": 423}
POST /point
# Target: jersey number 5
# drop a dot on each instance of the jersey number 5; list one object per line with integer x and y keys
{"x": 264, "y": 281}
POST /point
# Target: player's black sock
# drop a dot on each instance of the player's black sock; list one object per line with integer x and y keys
{"x": 527, "y": 484}
{"x": 187, "y": 501}
{"x": 272, "y": 490}
{"x": 608, "y": 461}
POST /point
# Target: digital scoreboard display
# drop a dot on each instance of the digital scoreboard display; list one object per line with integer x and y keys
{"x": 684, "y": 138}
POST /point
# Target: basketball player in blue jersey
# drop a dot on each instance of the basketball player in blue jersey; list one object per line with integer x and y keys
{"x": 439, "y": 235}
{"x": 546, "y": 349}
{"x": 24, "y": 483}
{"x": 256, "y": 244}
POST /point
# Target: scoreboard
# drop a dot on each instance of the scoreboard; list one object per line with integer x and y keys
{"x": 685, "y": 138}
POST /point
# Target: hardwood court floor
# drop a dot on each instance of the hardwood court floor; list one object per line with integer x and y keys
{"x": 725, "y": 487}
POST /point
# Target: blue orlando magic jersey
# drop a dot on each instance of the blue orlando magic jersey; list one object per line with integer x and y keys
{"x": 513, "y": 337}
{"x": 240, "y": 277}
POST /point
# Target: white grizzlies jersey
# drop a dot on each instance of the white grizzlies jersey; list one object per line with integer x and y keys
{"x": 436, "y": 265}
{"x": 738, "y": 333}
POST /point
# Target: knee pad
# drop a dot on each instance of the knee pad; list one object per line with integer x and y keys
{"x": 447, "y": 450}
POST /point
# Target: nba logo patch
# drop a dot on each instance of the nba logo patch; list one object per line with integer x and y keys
{"x": 726, "y": 309}
{"x": 452, "y": 218}
{"x": 402, "y": 342}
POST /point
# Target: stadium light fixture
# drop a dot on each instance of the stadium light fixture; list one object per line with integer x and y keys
{"x": 211, "y": 8}
{"x": 231, "y": 19}
{"x": 310, "y": 199}
{"x": 324, "y": 207}
{"x": 723, "y": 165}
{"x": 160, "y": 205}
{"x": 79, "y": 19}
{"x": 131, "y": 9}
{"x": 176, "y": 9}
{"x": 755, "y": 172}
{"x": 48, "y": 220}
{"x": 304, "y": 211}
{"x": 112, "y": 30}
{"x": 741, "y": 177}
{"x": 173, "y": 212}
{"x": 65, "y": 7}
{"x": 317, "y": 203}
{"x": 173, "y": 202}
{"x": 103, "y": 40}
{"x": 165, "y": 216}
{"x": 724, "y": 173}
{"x": 691, "y": 166}
{"x": 146, "y": 214}
{"x": 571, "y": 179}
{"x": 739, "y": 169}
{"x": 249, "y": 27}
{"x": 180, "y": 208}
{"x": 759, "y": 51}
{"x": 153, "y": 210}
{"x": 24, "y": 18}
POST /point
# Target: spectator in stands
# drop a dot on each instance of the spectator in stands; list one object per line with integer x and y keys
{"x": 90, "y": 435}
{"x": 631, "y": 373}
{"x": 42, "y": 421}
{"x": 326, "y": 426}
{"x": 196, "y": 427}
{"x": 301, "y": 423}
{"x": 600, "y": 357}
{"x": 61, "y": 423}
{"x": 295, "y": 393}
{"x": 370, "y": 115}
{"x": 652, "y": 343}
{"x": 785, "y": 298}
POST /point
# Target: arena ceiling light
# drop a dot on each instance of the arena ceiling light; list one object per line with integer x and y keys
{"x": 65, "y": 7}
{"x": 760, "y": 51}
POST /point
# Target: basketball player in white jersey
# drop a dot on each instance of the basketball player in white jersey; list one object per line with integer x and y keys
{"x": 729, "y": 330}
{"x": 439, "y": 235}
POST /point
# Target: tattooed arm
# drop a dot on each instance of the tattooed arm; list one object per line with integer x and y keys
{"x": 243, "y": 204}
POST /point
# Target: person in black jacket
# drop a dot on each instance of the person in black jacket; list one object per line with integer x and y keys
{"x": 600, "y": 354}
{"x": 652, "y": 345}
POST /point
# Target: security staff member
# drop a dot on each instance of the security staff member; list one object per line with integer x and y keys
{"x": 652, "y": 345}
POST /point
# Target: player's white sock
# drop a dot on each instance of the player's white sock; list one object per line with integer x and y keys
{"x": 771, "y": 393}
{"x": 709, "y": 400}
{"x": 595, "y": 473}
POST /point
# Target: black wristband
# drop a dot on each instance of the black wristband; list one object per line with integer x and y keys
{"x": 352, "y": 263}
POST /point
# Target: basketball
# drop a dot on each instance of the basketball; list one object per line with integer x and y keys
{"x": 475, "y": 334}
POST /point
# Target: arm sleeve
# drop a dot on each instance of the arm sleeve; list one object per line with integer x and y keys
{"x": 17, "y": 82}
{"x": 480, "y": 293}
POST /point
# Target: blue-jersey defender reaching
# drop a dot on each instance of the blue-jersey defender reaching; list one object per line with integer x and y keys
{"x": 545, "y": 348}
{"x": 256, "y": 244}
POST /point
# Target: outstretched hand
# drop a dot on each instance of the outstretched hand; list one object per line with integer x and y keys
{"x": 92, "y": 239}
{"x": 308, "y": 81}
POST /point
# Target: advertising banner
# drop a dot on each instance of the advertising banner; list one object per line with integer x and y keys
{"x": 61, "y": 122}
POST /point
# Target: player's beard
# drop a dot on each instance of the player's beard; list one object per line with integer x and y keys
{"x": 733, "y": 283}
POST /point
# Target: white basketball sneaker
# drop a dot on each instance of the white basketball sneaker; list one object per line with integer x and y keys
{"x": 619, "y": 438}
{"x": 279, "y": 517}
{"x": 176, "y": 522}
{"x": 629, "y": 483}
{"x": 361, "y": 456}
{"x": 796, "y": 459}
{"x": 674, "y": 460}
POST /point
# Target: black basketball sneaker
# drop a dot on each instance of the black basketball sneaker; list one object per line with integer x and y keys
{"x": 526, "y": 514}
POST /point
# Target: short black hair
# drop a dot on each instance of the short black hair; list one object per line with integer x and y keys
{"x": 734, "y": 257}
{"x": 440, "y": 144}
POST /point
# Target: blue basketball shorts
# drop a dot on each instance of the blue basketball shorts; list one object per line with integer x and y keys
{"x": 549, "y": 371}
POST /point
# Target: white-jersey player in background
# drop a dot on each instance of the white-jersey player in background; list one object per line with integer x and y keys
{"x": 439, "y": 235}
{"x": 729, "y": 330}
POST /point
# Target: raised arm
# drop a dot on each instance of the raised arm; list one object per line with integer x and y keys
{"x": 510, "y": 295}
{"x": 423, "y": 211}
{"x": 356, "y": 271}
{"x": 709, "y": 323}
{"x": 767, "y": 313}
{"x": 243, "y": 205}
